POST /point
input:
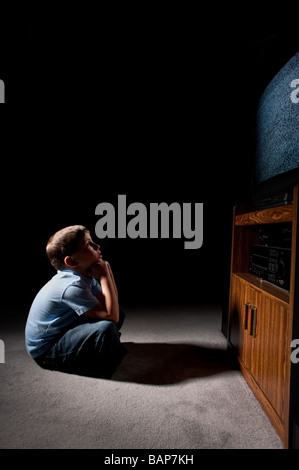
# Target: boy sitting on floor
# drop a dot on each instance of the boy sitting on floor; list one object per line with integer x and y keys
{"x": 74, "y": 321}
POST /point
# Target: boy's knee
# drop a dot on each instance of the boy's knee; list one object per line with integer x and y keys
{"x": 121, "y": 317}
{"x": 107, "y": 327}
{"x": 107, "y": 333}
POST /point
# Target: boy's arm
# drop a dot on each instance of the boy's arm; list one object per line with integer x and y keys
{"x": 100, "y": 295}
{"x": 107, "y": 308}
{"x": 112, "y": 278}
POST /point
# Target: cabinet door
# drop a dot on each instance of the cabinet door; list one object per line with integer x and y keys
{"x": 250, "y": 300}
{"x": 235, "y": 314}
{"x": 269, "y": 349}
{"x": 240, "y": 321}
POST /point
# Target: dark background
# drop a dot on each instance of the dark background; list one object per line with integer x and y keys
{"x": 154, "y": 105}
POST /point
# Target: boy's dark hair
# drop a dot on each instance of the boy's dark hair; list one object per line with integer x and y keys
{"x": 64, "y": 243}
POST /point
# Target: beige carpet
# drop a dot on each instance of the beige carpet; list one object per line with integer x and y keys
{"x": 173, "y": 390}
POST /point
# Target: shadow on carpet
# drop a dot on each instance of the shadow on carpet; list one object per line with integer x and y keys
{"x": 165, "y": 364}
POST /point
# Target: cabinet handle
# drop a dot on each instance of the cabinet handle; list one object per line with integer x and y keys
{"x": 247, "y": 307}
{"x": 254, "y": 309}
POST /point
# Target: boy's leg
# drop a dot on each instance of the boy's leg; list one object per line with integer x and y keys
{"x": 87, "y": 349}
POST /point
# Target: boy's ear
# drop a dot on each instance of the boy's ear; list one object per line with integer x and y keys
{"x": 69, "y": 261}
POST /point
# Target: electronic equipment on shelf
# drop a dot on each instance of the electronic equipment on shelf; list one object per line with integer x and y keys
{"x": 270, "y": 263}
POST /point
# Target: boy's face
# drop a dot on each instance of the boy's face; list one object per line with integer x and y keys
{"x": 86, "y": 255}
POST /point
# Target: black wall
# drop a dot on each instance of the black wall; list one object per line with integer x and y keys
{"x": 163, "y": 115}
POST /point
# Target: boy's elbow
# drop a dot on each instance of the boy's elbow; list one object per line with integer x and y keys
{"x": 117, "y": 316}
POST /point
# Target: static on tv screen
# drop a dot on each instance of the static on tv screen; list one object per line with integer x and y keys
{"x": 277, "y": 133}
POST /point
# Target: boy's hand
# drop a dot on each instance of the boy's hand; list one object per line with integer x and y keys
{"x": 107, "y": 307}
{"x": 100, "y": 269}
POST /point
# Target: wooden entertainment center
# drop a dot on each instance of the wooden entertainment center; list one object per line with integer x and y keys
{"x": 260, "y": 321}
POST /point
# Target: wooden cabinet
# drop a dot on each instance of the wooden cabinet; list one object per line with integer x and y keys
{"x": 258, "y": 326}
{"x": 261, "y": 317}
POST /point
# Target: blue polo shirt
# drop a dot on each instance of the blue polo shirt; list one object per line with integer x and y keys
{"x": 56, "y": 308}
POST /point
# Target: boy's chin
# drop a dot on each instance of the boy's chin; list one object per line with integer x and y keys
{"x": 94, "y": 264}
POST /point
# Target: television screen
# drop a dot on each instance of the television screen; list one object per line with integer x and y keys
{"x": 277, "y": 132}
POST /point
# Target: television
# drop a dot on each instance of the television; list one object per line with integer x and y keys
{"x": 276, "y": 169}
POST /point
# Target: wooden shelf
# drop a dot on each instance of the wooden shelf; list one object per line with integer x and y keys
{"x": 265, "y": 287}
{"x": 260, "y": 321}
{"x": 267, "y": 216}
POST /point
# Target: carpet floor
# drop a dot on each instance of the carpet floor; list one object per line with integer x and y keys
{"x": 173, "y": 390}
